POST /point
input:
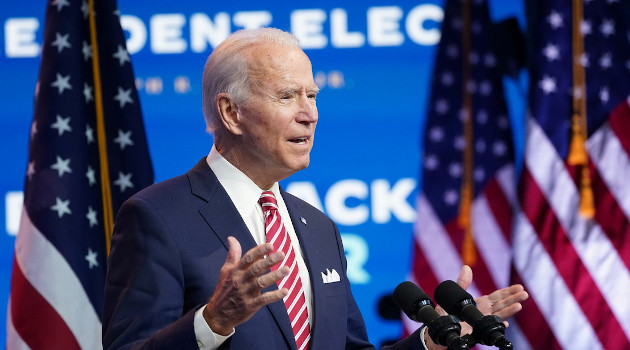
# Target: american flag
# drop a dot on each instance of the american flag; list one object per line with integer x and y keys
{"x": 466, "y": 81}
{"x": 87, "y": 154}
{"x": 576, "y": 266}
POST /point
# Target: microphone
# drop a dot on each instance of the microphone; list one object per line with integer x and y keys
{"x": 487, "y": 330}
{"x": 417, "y": 305}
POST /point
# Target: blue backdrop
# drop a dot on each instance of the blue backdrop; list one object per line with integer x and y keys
{"x": 372, "y": 61}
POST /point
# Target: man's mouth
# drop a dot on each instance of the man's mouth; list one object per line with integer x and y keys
{"x": 299, "y": 140}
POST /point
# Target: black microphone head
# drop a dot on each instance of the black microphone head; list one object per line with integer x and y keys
{"x": 452, "y": 297}
{"x": 409, "y": 298}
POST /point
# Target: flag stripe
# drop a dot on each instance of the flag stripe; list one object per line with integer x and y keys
{"x": 603, "y": 267}
{"x": 435, "y": 244}
{"x": 619, "y": 124}
{"x": 493, "y": 261}
{"x": 64, "y": 292}
{"x": 38, "y": 310}
{"x": 611, "y": 218}
{"x": 607, "y": 153}
{"x": 531, "y": 321}
{"x": 501, "y": 209}
{"x": 438, "y": 249}
{"x": 570, "y": 267}
{"x": 548, "y": 290}
{"x": 422, "y": 273}
{"x": 14, "y": 340}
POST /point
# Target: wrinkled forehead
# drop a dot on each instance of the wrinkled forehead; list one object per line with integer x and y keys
{"x": 271, "y": 60}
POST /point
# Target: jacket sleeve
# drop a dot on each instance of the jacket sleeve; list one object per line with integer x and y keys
{"x": 144, "y": 288}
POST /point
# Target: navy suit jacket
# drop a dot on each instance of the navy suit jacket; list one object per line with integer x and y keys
{"x": 169, "y": 243}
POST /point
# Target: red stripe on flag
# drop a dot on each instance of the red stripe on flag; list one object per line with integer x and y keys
{"x": 500, "y": 207}
{"x": 532, "y": 323}
{"x": 422, "y": 271}
{"x": 34, "y": 319}
{"x": 619, "y": 120}
{"x": 553, "y": 237}
{"x": 482, "y": 278}
{"x": 610, "y": 217}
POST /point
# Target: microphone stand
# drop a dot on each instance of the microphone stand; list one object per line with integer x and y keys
{"x": 493, "y": 326}
{"x": 445, "y": 330}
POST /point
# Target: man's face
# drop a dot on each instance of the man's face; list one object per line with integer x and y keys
{"x": 278, "y": 121}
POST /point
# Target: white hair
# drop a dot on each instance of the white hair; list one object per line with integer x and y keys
{"x": 227, "y": 70}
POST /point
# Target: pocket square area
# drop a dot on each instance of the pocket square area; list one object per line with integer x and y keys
{"x": 330, "y": 276}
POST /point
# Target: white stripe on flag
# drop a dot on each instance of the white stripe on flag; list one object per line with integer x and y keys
{"x": 46, "y": 269}
{"x": 515, "y": 335}
{"x": 505, "y": 178}
{"x": 490, "y": 242}
{"x": 612, "y": 163}
{"x": 434, "y": 242}
{"x": 436, "y": 245}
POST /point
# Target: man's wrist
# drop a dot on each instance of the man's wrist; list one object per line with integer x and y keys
{"x": 217, "y": 327}
{"x": 207, "y": 338}
{"x": 423, "y": 339}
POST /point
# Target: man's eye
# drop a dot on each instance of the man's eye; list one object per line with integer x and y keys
{"x": 312, "y": 96}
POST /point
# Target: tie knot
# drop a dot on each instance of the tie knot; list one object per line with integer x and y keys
{"x": 268, "y": 201}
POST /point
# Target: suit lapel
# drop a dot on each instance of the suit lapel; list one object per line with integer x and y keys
{"x": 224, "y": 220}
{"x": 219, "y": 212}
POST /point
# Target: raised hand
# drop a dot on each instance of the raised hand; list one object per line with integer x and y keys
{"x": 504, "y": 303}
{"x": 238, "y": 294}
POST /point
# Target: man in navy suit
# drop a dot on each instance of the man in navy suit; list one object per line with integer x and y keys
{"x": 177, "y": 275}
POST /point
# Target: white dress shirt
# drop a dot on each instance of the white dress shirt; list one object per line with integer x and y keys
{"x": 244, "y": 193}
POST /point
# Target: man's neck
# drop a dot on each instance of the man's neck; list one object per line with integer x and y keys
{"x": 234, "y": 157}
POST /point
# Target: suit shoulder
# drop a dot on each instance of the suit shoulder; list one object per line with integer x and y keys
{"x": 163, "y": 189}
{"x": 302, "y": 205}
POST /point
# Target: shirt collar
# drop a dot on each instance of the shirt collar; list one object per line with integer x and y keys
{"x": 243, "y": 192}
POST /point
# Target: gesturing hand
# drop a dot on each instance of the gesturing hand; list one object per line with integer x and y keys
{"x": 504, "y": 303}
{"x": 238, "y": 294}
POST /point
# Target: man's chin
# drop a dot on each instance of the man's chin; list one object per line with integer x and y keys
{"x": 303, "y": 164}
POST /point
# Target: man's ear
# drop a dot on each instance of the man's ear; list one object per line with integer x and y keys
{"x": 228, "y": 110}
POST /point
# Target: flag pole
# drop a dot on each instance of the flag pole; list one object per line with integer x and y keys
{"x": 108, "y": 211}
{"x": 577, "y": 151}
{"x": 469, "y": 253}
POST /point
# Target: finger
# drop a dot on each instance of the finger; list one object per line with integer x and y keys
{"x": 234, "y": 251}
{"x": 465, "y": 277}
{"x": 506, "y": 292}
{"x": 512, "y": 299}
{"x": 260, "y": 266}
{"x": 269, "y": 279}
{"x": 509, "y": 311}
{"x": 254, "y": 255}
{"x": 269, "y": 297}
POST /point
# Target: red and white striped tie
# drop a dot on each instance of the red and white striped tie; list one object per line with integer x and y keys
{"x": 295, "y": 301}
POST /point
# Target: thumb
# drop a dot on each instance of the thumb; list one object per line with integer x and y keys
{"x": 465, "y": 277}
{"x": 234, "y": 251}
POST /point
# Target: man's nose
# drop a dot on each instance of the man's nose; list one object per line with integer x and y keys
{"x": 308, "y": 110}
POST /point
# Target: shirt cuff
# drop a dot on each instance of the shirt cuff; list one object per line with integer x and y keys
{"x": 422, "y": 331}
{"x": 206, "y": 338}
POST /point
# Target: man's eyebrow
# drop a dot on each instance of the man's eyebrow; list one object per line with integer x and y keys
{"x": 292, "y": 90}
